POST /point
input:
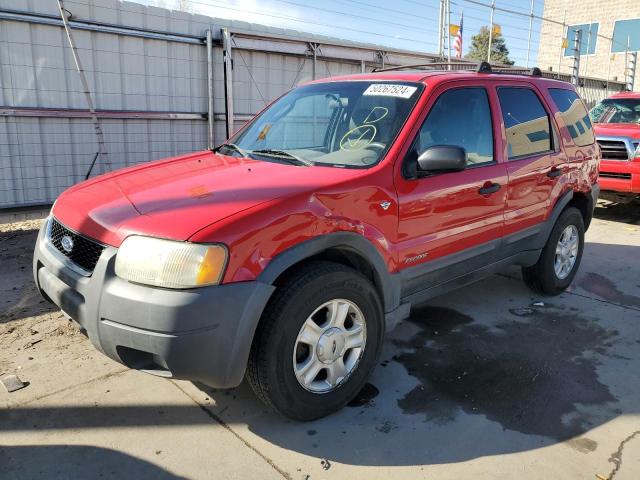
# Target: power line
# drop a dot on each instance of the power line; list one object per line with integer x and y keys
{"x": 361, "y": 17}
{"x": 310, "y": 22}
{"x": 539, "y": 17}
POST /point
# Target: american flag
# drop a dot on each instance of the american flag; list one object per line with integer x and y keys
{"x": 457, "y": 42}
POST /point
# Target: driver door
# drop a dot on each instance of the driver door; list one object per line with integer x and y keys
{"x": 452, "y": 223}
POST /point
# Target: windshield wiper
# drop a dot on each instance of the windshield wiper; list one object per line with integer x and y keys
{"x": 290, "y": 157}
{"x": 232, "y": 146}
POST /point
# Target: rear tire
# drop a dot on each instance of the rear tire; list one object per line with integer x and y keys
{"x": 560, "y": 257}
{"x": 298, "y": 331}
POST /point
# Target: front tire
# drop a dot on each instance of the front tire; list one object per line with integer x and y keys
{"x": 317, "y": 341}
{"x": 560, "y": 257}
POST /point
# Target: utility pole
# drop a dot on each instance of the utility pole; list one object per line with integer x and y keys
{"x": 448, "y": 33}
{"x": 441, "y": 30}
{"x": 630, "y": 60}
{"x": 493, "y": 11}
{"x": 586, "y": 60}
{"x": 631, "y": 72}
{"x": 565, "y": 31}
{"x": 575, "y": 71}
{"x": 530, "y": 27}
{"x": 210, "y": 114}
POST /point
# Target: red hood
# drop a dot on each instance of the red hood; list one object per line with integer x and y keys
{"x": 631, "y": 130}
{"x": 175, "y": 198}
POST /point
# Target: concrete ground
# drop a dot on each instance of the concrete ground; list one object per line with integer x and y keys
{"x": 481, "y": 383}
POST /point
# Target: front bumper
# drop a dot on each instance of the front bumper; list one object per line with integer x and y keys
{"x": 620, "y": 176}
{"x": 201, "y": 334}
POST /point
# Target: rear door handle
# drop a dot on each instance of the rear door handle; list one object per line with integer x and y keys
{"x": 489, "y": 188}
{"x": 554, "y": 172}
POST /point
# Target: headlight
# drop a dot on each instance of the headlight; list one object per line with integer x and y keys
{"x": 170, "y": 264}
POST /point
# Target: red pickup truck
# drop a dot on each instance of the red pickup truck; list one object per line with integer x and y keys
{"x": 286, "y": 253}
{"x": 617, "y": 128}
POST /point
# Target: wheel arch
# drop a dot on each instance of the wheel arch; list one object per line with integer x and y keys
{"x": 346, "y": 248}
{"x": 585, "y": 203}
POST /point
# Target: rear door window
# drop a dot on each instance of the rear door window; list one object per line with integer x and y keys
{"x": 527, "y": 123}
{"x": 574, "y": 114}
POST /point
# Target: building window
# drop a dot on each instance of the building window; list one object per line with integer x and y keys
{"x": 587, "y": 42}
{"x": 626, "y": 32}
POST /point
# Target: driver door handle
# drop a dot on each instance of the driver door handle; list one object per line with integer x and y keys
{"x": 488, "y": 188}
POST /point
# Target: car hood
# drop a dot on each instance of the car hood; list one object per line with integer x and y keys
{"x": 631, "y": 130}
{"x": 175, "y": 198}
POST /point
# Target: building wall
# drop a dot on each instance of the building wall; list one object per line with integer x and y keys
{"x": 602, "y": 61}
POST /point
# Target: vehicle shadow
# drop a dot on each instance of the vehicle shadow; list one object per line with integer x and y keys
{"x": 618, "y": 212}
{"x": 479, "y": 379}
{"x": 75, "y": 461}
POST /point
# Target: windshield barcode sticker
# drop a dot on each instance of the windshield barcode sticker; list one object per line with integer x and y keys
{"x": 387, "y": 90}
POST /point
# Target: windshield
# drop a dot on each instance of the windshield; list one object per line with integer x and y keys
{"x": 340, "y": 124}
{"x": 616, "y": 110}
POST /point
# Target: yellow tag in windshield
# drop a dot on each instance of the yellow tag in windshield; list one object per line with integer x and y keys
{"x": 263, "y": 133}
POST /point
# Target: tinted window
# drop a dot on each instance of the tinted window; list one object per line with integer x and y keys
{"x": 526, "y": 122}
{"x": 574, "y": 115}
{"x": 588, "y": 39}
{"x": 460, "y": 117}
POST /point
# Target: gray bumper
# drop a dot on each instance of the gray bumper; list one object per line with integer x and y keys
{"x": 202, "y": 334}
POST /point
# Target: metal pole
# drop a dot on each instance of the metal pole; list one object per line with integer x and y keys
{"x": 448, "y": 32}
{"x": 575, "y": 72}
{"x": 363, "y": 66}
{"x": 626, "y": 64}
{"x": 314, "y": 51}
{"x": 586, "y": 61}
{"x": 633, "y": 61}
{"x": 606, "y": 88}
{"x": 210, "y": 115}
{"x": 566, "y": 35}
{"x": 87, "y": 93}
{"x": 228, "y": 81}
{"x": 530, "y": 28}
{"x": 493, "y": 10}
{"x": 441, "y": 29}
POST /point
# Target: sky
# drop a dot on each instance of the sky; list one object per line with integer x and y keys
{"x": 402, "y": 24}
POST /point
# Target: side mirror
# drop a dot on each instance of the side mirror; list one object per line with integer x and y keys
{"x": 442, "y": 158}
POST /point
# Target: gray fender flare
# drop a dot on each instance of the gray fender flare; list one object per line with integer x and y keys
{"x": 347, "y": 242}
{"x": 558, "y": 208}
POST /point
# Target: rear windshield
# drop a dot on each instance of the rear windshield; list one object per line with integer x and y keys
{"x": 339, "y": 124}
{"x": 616, "y": 110}
{"x": 574, "y": 114}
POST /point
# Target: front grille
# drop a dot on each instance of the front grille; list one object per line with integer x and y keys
{"x": 84, "y": 252}
{"x": 613, "y": 149}
{"x": 624, "y": 176}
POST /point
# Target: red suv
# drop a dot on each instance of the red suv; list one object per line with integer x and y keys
{"x": 617, "y": 126}
{"x": 285, "y": 254}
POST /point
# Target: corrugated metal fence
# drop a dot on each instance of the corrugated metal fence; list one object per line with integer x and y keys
{"x": 148, "y": 72}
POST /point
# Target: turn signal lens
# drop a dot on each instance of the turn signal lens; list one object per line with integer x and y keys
{"x": 170, "y": 264}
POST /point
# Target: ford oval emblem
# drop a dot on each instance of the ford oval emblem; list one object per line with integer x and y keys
{"x": 67, "y": 243}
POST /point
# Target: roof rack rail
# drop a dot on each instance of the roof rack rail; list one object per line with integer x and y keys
{"x": 432, "y": 64}
{"x": 481, "y": 67}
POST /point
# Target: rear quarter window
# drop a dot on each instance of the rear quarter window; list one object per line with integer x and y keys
{"x": 574, "y": 114}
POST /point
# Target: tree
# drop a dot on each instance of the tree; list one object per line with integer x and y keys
{"x": 480, "y": 43}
